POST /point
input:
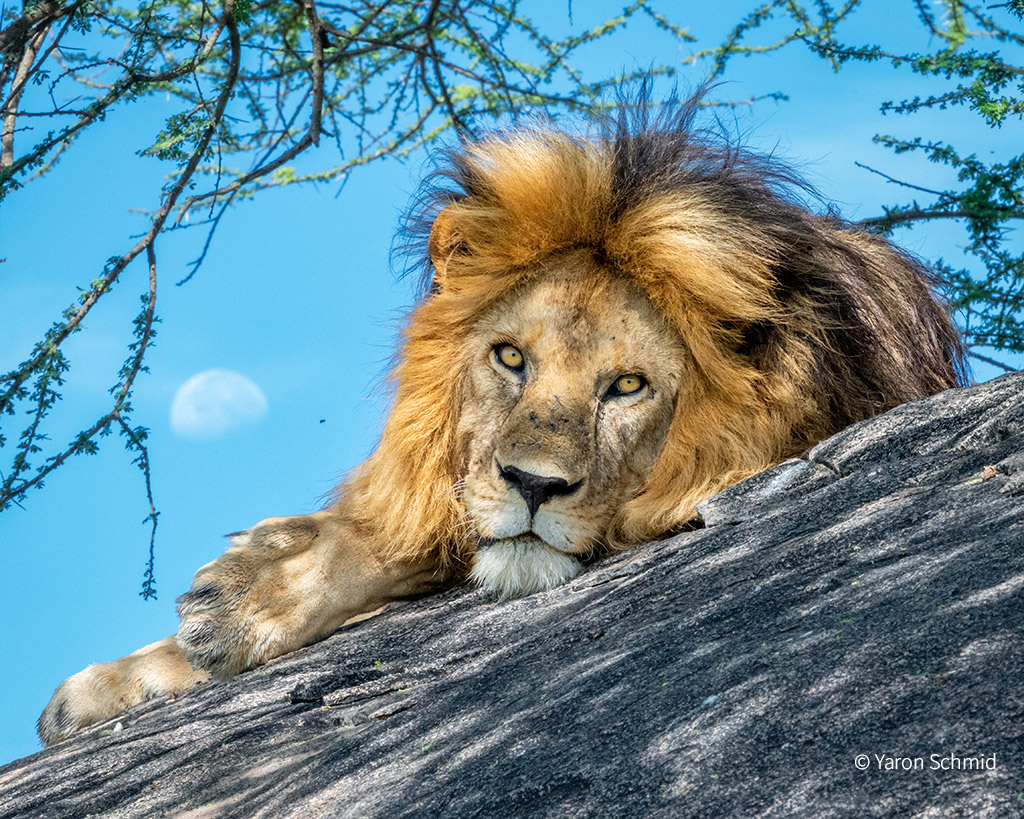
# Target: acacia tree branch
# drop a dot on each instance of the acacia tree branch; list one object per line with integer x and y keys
{"x": 316, "y": 34}
{"x": 17, "y": 33}
{"x": 435, "y": 58}
{"x": 310, "y": 138}
{"x": 119, "y": 89}
{"x": 374, "y": 45}
{"x": 263, "y": 170}
{"x": 149, "y": 578}
{"x": 992, "y": 361}
{"x": 17, "y": 86}
{"x": 129, "y": 374}
{"x": 22, "y": 74}
{"x": 899, "y": 182}
{"x": 18, "y": 377}
{"x": 919, "y": 214}
{"x": 12, "y": 491}
{"x": 492, "y": 54}
{"x": 135, "y": 437}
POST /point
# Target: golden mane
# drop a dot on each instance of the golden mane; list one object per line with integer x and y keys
{"x": 797, "y": 323}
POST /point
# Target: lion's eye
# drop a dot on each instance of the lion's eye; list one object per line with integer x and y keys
{"x": 628, "y": 384}
{"x": 510, "y": 356}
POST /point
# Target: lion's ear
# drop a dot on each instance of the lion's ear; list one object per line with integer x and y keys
{"x": 443, "y": 242}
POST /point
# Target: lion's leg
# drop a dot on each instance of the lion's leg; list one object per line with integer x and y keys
{"x": 105, "y": 689}
{"x": 285, "y": 583}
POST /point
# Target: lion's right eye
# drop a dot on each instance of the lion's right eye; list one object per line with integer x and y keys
{"x": 626, "y": 385}
{"x": 509, "y": 356}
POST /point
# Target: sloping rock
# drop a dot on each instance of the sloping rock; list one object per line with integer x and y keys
{"x": 868, "y": 599}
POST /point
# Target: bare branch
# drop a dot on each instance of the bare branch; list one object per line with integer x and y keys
{"x": 21, "y": 76}
{"x": 37, "y": 15}
{"x": 895, "y": 181}
{"x": 919, "y": 215}
{"x": 992, "y": 361}
{"x": 316, "y": 34}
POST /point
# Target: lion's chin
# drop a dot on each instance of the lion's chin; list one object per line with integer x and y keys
{"x": 515, "y": 567}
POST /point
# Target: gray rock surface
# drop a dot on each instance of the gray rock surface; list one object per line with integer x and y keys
{"x": 867, "y": 599}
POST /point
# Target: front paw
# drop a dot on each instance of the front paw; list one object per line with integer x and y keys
{"x": 90, "y": 696}
{"x": 236, "y": 615}
{"x": 216, "y": 629}
{"x": 104, "y": 690}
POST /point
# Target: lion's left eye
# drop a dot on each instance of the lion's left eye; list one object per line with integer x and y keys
{"x": 510, "y": 356}
{"x": 628, "y": 384}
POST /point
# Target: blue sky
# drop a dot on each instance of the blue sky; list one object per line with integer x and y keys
{"x": 297, "y": 297}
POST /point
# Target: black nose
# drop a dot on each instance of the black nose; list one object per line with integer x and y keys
{"x": 536, "y": 489}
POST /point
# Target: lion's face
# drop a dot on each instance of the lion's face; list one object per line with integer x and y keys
{"x": 565, "y": 408}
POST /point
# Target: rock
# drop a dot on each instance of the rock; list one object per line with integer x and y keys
{"x": 861, "y": 607}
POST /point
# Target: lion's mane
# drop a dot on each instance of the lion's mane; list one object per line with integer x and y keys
{"x": 798, "y": 323}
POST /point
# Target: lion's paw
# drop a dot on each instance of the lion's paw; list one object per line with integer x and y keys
{"x": 231, "y": 617}
{"x": 104, "y": 690}
{"x": 216, "y": 631}
{"x": 90, "y": 696}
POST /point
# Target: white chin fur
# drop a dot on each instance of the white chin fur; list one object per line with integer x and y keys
{"x": 515, "y": 568}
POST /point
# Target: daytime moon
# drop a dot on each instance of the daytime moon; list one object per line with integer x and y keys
{"x": 215, "y": 402}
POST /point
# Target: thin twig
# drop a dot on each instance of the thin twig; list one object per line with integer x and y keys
{"x": 899, "y": 182}
{"x": 918, "y": 214}
{"x": 991, "y": 361}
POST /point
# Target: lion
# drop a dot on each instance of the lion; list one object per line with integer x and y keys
{"x": 616, "y": 322}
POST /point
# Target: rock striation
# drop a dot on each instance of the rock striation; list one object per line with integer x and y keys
{"x": 844, "y": 637}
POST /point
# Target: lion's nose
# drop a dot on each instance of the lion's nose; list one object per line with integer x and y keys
{"x": 536, "y": 489}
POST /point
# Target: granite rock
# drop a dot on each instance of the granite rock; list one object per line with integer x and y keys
{"x": 864, "y": 599}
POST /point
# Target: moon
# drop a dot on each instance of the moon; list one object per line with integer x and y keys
{"x": 215, "y": 402}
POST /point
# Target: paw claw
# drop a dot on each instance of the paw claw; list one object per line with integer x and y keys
{"x": 216, "y": 633}
{"x": 55, "y": 724}
{"x": 198, "y": 598}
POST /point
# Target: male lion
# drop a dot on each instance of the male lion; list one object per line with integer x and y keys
{"x": 615, "y": 327}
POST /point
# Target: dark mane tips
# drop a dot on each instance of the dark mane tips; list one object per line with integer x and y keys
{"x": 862, "y": 312}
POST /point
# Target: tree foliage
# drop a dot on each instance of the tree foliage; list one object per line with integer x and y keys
{"x": 988, "y": 295}
{"x": 273, "y": 93}
{"x": 258, "y": 85}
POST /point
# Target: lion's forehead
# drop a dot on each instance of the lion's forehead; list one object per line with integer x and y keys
{"x": 574, "y": 316}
